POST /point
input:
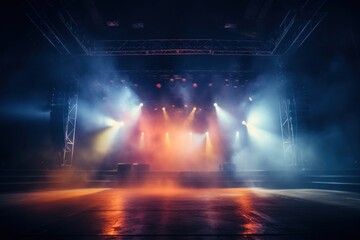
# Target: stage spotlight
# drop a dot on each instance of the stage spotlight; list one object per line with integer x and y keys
{"x": 158, "y": 85}
{"x": 250, "y": 99}
{"x": 207, "y": 133}
{"x": 215, "y": 104}
{"x": 165, "y": 114}
{"x": 119, "y": 124}
{"x": 142, "y": 133}
{"x": 244, "y": 123}
{"x": 194, "y": 108}
{"x": 113, "y": 123}
{"x": 141, "y": 104}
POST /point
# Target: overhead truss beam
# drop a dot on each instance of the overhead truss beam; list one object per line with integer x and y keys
{"x": 179, "y": 47}
{"x": 295, "y": 28}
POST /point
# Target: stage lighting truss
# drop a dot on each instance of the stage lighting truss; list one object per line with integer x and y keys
{"x": 297, "y": 25}
{"x": 288, "y": 119}
{"x": 70, "y": 131}
{"x": 65, "y": 101}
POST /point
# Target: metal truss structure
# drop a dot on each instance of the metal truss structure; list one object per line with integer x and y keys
{"x": 288, "y": 118}
{"x": 138, "y": 75}
{"x": 63, "y": 118}
{"x": 295, "y": 28}
{"x": 293, "y": 31}
{"x": 70, "y": 130}
{"x": 286, "y": 112}
{"x": 178, "y": 47}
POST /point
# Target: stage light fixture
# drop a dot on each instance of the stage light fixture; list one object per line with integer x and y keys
{"x": 163, "y": 109}
{"x": 250, "y": 99}
{"x": 244, "y": 123}
{"x": 118, "y": 124}
{"x": 141, "y": 104}
{"x": 215, "y": 104}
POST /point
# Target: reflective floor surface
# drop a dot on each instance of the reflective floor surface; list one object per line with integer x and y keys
{"x": 177, "y": 213}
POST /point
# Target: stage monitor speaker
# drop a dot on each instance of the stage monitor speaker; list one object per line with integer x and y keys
{"x": 124, "y": 168}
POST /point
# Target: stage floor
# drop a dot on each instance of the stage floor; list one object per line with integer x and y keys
{"x": 177, "y": 213}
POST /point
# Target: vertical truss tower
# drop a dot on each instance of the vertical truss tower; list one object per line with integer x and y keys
{"x": 63, "y": 116}
{"x": 287, "y": 116}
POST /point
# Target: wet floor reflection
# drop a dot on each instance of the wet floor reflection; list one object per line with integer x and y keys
{"x": 123, "y": 213}
{"x": 246, "y": 209}
{"x": 180, "y": 212}
{"x": 113, "y": 221}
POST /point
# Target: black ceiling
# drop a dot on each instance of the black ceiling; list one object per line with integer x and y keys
{"x": 179, "y": 19}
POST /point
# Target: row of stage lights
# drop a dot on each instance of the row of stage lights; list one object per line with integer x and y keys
{"x": 237, "y": 134}
{"x": 186, "y": 106}
{"x": 119, "y": 124}
{"x": 183, "y": 81}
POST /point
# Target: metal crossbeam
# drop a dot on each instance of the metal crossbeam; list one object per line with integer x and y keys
{"x": 305, "y": 32}
{"x": 285, "y": 26}
{"x": 296, "y": 27}
{"x": 72, "y": 27}
{"x": 178, "y": 47}
{"x": 47, "y": 29}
